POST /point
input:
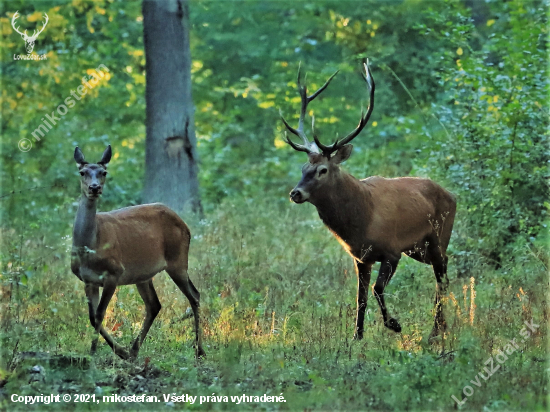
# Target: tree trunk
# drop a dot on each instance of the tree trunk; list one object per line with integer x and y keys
{"x": 170, "y": 155}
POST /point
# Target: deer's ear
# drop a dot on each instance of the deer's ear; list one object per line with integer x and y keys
{"x": 79, "y": 157}
{"x": 106, "y": 158}
{"x": 343, "y": 154}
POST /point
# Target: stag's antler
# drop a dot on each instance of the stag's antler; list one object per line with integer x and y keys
{"x": 35, "y": 35}
{"x": 308, "y": 147}
{"x": 328, "y": 150}
{"x": 25, "y": 35}
{"x": 15, "y": 17}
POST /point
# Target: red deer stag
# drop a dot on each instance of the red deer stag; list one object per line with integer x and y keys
{"x": 374, "y": 219}
{"x": 127, "y": 247}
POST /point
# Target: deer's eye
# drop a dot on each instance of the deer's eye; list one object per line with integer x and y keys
{"x": 81, "y": 173}
{"x": 322, "y": 171}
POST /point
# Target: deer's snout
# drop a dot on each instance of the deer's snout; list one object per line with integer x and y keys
{"x": 94, "y": 189}
{"x": 298, "y": 195}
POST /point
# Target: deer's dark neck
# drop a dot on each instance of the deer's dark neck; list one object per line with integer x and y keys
{"x": 85, "y": 226}
{"x": 345, "y": 207}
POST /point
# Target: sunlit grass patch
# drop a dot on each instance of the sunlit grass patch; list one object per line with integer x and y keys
{"x": 278, "y": 305}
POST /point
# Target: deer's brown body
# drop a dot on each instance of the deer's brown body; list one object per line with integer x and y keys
{"x": 375, "y": 219}
{"x": 127, "y": 247}
{"x": 378, "y": 217}
{"x": 148, "y": 238}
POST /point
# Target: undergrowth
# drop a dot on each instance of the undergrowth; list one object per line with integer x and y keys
{"x": 278, "y": 305}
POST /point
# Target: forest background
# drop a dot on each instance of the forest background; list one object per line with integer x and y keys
{"x": 461, "y": 98}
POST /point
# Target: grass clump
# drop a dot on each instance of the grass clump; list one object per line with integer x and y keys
{"x": 278, "y": 306}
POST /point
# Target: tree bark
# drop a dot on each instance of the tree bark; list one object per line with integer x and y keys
{"x": 171, "y": 167}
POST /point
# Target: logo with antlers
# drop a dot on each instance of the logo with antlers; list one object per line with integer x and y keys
{"x": 29, "y": 40}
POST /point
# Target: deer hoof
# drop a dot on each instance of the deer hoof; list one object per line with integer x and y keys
{"x": 393, "y": 325}
{"x": 358, "y": 335}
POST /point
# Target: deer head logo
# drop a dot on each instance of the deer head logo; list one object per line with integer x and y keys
{"x": 29, "y": 40}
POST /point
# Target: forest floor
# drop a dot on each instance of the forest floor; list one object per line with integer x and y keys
{"x": 278, "y": 304}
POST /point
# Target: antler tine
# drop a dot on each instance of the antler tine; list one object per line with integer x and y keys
{"x": 327, "y": 150}
{"x": 294, "y": 131}
{"x": 297, "y": 147}
{"x": 303, "y": 107}
{"x": 15, "y": 17}
{"x": 315, "y": 137}
{"x": 305, "y": 100}
{"x": 44, "y": 26}
{"x": 364, "y": 119}
{"x": 323, "y": 87}
{"x": 324, "y": 149}
{"x": 300, "y": 130}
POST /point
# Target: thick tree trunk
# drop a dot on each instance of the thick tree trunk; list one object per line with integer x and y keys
{"x": 170, "y": 155}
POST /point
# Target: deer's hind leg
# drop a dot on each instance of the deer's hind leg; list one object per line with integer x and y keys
{"x": 181, "y": 279}
{"x": 439, "y": 264}
{"x": 152, "y": 308}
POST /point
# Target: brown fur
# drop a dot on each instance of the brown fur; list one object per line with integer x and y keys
{"x": 127, "y": 247}
{"x": 377, "y": 219}
{"x": 374, "y": 219}
{"x": 135, "y": 243}
{"x": 387, "y": 216}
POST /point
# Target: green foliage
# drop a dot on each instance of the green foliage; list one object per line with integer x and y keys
{"x": 495, "y": 154}
{"x": 491, "y": 153}
{"x": 461, "y": 98}
{"x": 244, "y": 90}
{"x": 279, "y": 317}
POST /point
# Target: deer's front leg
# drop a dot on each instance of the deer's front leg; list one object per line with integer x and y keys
{"x": 97, "y": 314}
{"x": 92, "y": 295}
{"x": 363, "y": 279}
{"x": 387, "y": 270}
{"x": 109, "y": 287}
{"x": 75, "y": 265}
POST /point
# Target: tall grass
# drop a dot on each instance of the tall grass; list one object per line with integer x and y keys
{"x": 278, "y": 305}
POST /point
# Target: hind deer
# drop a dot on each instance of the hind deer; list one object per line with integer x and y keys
{"x": 374, "y": 219}
{"x": 127, "y": 247}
